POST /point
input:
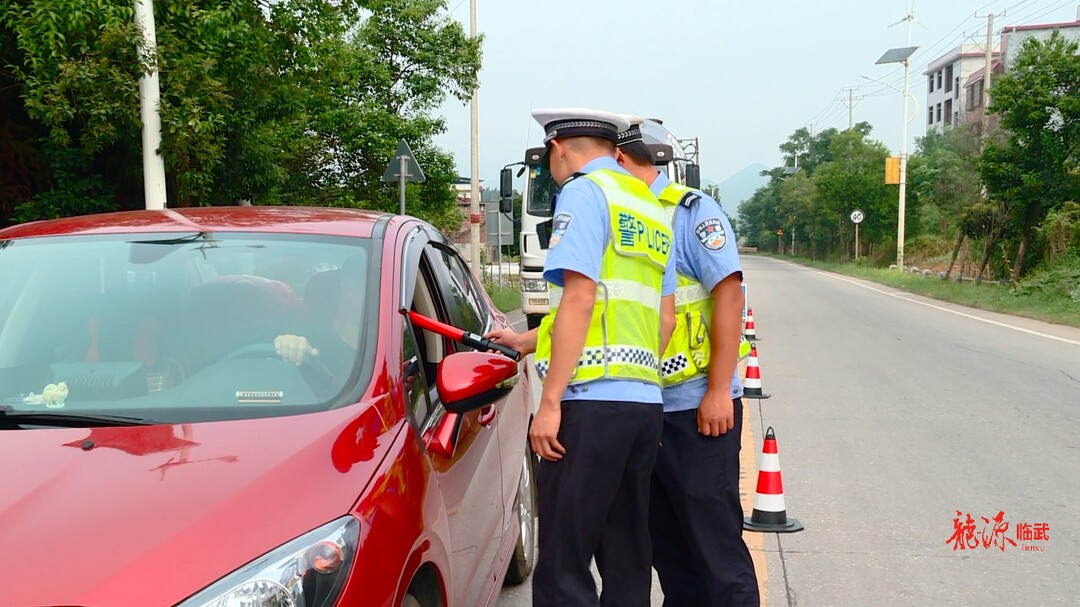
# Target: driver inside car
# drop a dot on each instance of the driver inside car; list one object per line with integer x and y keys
{"x": 334, "y": 303}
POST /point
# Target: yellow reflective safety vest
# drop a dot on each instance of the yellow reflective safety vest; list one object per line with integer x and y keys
{"x": 687, "y": 354}
{"x": 623, "y": 341}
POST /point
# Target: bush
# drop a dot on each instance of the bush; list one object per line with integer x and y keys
{"x": 1059, "y": 278}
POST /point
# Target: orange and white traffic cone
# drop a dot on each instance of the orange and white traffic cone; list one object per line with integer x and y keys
{"x": 770, "y": 515}
{"x": 752, "y": 384}
{"x": 750, "y": 332}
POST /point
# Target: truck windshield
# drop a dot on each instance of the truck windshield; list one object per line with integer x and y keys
{"x": 541, "y": 193}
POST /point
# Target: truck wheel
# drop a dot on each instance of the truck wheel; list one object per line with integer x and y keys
{"x": 524, "y": 557}
{"x": 533, "y": 321}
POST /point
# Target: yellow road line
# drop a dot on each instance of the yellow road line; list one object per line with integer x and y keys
{"x": 747, "y": 485}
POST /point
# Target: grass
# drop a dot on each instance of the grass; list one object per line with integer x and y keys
{"x": 1041, "y": 305}
{"x": 506, "y": 297}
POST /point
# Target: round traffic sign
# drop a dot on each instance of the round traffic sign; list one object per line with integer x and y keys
{"x": 857, "y": 216}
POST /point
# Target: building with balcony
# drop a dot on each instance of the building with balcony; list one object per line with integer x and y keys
{"x": 946, "y": 79}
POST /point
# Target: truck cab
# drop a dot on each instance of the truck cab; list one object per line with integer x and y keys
{"x": 676, "y": 158}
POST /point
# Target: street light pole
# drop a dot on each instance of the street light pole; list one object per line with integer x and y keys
{"x": 903, "y": 56}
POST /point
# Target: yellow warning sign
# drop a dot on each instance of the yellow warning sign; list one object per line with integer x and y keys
{"x": 892, "y": 170}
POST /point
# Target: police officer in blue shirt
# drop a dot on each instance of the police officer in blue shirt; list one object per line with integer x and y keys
{"x": 695, "y": 513}
{"x": 610, "y": 268}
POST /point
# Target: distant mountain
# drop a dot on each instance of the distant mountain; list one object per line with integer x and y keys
{"x": 739, "y": 186}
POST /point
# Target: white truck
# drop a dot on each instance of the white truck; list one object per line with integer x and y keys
{"x": 678, "y": 158}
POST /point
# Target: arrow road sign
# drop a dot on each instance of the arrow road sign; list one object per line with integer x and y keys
{"x": 857, "y": 216}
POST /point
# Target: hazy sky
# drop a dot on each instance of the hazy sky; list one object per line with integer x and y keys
{"x": 742, "y": 76}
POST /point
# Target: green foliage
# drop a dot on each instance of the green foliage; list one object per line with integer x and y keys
{"x": 288, "y": 102}
{"x": 945, "y": 181}
{"x": 838, "y": 172}
{"x": 1060, "y": 231}
{"x": 1059, "y": 279}
{"x": 1035, "y": 170}
{"x": 505, "y": 297}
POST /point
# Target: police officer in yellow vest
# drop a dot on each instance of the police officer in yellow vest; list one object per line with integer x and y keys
{"x": 610, "y": 269}
{"x": 695, "y": 513}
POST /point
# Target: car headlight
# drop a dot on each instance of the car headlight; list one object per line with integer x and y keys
{"x": 309, "y": 571}
{"x": 534, "y": 285}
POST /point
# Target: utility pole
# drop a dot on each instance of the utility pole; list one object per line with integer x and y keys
{"x": 851, "y": 103}
{"x": 474, "y": 206}
{"x": 903, "y": 157}
{"x": 987, "y": 73}
{"x": 850, "y": 109}
{"x": 149, "y": 104}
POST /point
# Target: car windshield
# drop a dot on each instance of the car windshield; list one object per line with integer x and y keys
{"x": 184, "y": 327}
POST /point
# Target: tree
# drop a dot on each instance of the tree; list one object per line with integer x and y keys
{"x": 283, "y": 102}
{"x": 837, "y": 171}
{"x": 1036, "y": 169}
{"x": 946, "y": 184}
{"x": 853, "y": 179}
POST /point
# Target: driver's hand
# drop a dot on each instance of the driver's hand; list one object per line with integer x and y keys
{"x": 293, "y": 348}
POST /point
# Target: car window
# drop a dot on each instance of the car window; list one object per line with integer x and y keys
{"x": 430, "y": 347}
{"x": 467, "y": 305}
{"x": 183, "y": 326}
{"x": 413, "y": 376}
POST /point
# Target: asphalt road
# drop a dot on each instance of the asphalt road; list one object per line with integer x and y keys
{"x": 893, "y": 413}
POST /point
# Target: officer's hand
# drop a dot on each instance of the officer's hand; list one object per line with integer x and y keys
{"x": 293, "y": 348}
{"x": 544, "y": 431}
{"x": 716, "y": 414}
{"x": 508, "y": 338}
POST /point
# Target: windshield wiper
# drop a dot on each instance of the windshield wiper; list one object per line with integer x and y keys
{"x": 178, "y": 240}
{"x": 10, "y": 418}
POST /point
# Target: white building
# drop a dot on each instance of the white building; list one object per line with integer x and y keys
{"x": 1012, "y": 38}
{"x": 946, "y": 78}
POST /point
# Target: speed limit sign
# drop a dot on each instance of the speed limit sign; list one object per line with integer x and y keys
{"x": 857, "y": 216}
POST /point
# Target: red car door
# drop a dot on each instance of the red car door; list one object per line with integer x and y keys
{"x": 463, "y": 449}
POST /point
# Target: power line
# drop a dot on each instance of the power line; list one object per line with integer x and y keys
{"x": 1029, "y": 10}
{"x": 1053, "y": 8}
{"x": 833, "y": 111}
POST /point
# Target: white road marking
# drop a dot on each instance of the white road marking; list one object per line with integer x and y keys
{"x": 901, "y": 295}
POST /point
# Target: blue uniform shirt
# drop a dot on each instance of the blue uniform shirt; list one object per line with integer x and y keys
{"x": 700, "y": 258}
{"x": 579, "y": 234}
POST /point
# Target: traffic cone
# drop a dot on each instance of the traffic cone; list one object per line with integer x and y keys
{"x": 750, "y": 332}
{"x": 752, "y": 385}
{"x": 769, "y": 514}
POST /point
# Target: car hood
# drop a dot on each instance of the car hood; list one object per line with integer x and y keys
{"x": 149, "y": 515}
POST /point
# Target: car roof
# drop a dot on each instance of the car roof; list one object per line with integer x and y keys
{"x": 277, "y": 219}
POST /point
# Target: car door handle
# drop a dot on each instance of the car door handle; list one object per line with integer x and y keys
{"x": 488, "y": 415}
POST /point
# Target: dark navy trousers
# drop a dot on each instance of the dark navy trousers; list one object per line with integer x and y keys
{"x": 595, "y": 502}
{"x": 696, "y": 517}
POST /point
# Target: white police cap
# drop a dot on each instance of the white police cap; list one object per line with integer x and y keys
{"x": 633, "y": 133}
{"x": 578, "y": 122}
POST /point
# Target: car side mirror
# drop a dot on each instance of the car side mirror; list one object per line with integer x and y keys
{"x": 506, "y": 183}
{"x": 467, "y": 381}
{"x": 693, "y": 176}
{"x": 506, "y": 205}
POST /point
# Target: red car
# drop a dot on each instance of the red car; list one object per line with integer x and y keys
{"x": 227, "y": 406}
